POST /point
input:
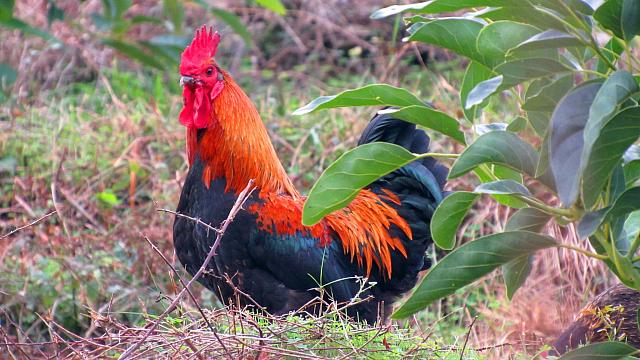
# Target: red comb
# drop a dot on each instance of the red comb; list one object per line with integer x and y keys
{"x": 202, "y": 48}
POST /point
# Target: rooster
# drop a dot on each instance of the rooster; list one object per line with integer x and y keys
{"x": 267, "y": 253}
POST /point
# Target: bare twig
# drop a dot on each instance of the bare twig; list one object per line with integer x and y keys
{"x": 196, "y": 220}
{"x": 184, "y": 285}
{"x": 244, "y": 195}
{"x": 34, "y": 222}
{"x": 466, "y": 338}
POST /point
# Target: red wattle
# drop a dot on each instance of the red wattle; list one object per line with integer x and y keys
{"x": 202, "y": 109}
{"x": 196, "y": 109}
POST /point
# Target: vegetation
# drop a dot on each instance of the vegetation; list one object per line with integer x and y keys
{"x": 89, "y": 158}
{"x": 578, "y": 100}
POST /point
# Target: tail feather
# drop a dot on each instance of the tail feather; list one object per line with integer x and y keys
{"x": 384, "y": 128}
{"x": 419, "y": 185}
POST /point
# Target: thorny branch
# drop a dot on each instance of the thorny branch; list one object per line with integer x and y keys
{"x": 184, "y": 285}
{"x": 34, "y": 222}
{"x": 237, "y": 206}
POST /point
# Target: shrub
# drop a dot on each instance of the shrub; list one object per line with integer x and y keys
{"x": 577, "y": 98}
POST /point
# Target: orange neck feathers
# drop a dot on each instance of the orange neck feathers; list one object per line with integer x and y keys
{"x": 236, "y": 146}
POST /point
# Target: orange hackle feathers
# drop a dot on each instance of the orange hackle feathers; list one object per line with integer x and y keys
{"x": 363, "y": 226}
{"x": 236, "y": 146}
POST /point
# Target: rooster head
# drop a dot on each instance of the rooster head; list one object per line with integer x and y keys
{"x": 201, "y": 78}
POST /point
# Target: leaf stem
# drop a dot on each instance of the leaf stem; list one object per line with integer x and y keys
{"x": 437, "y": 156}
{"x": 584, "y": 252}
{"x": 634, "y": 246}
{"x": 572, "y": 213}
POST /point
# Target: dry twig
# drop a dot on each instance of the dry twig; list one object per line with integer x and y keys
{"x": 34, "y": 222}
{"x": 237, "y": 206}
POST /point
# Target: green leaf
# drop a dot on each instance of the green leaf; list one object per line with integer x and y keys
{"x": 482, "y": 91}
{"x": 429, "y": 118}
{"x": 498, "y": 147}
{"x": 167, "y": 45}
{"x": 375, "y": 94}
{"x": 540, "y": 105}
{"x": 627, "y": 202}
{"x": 108, "y": 199}
{"x": 612, "y": 50}
{"x": 175, "y": 11}
{"x": 609, "y": 350}
{"x": 521, "y": 70}
{"x": 134, "y": 52}
{"x": 448, "y": 216}
{"x": 543, "y": 163}
{"x": 547, "y": 98}
{"x": 234, "y": 22}
{"x": 6, "y": 9}
{"x": 515, "y": 273}
{"x": 615, "y": 137}
{"x": 433, "y": 7}
{"x": 503, "y": 191}
{"x": 630, "y": 231}
{"x": 608, "y": 15}
{"x": 566, "y": 141}
{"x": 28, "y": 29}
{"x": 341, "y": 181}
{"x": 631, "y": 172}
{"x": 622, "y": 17}
{"x": 590, "y": 222}
{"x": 7, "y": 77}
{"x": 114, "y": 9}
{"x": 506, "y": 173}
{"x": 527, "y": 219}
{"x": 502, "y": 187}
{"x": 141, "y": 19}
{"x": 273, "y": 5}
{"x": 550, "y": 39}
{"x": 456, "y": 34}
{"x": 496, "y": 39}
{"x": 526, "y": 13}
{"x": 53, "y": 13}
{"x": 518, "y": 124}
{"x": 630, "y": 19}
{"x": 474, "y": 75}
{"x": 470, "y": 262}
{"x": 614, "y": 91}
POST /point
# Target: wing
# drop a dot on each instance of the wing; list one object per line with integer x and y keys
{"x": 346, "y": 243}
{"x": 300, "y": 257}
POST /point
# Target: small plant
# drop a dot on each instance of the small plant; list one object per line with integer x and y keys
{"x": 575, "y": 95}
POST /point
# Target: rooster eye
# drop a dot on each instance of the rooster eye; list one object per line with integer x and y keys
{"x": 209, "y": 71}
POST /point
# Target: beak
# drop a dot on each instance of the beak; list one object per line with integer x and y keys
{"x": 187, "y": 81}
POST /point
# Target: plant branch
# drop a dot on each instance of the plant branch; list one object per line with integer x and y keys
{"x": 437, "y": 156}
{"x": 572, "y": 213}
{"x": 237, "y": 206}
{"x": 34, "y": 222}
{"x": 584, "y": 252}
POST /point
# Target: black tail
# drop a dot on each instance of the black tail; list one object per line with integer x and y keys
{"x": 384, "y": 128}
{"x": 419, "y": 185}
